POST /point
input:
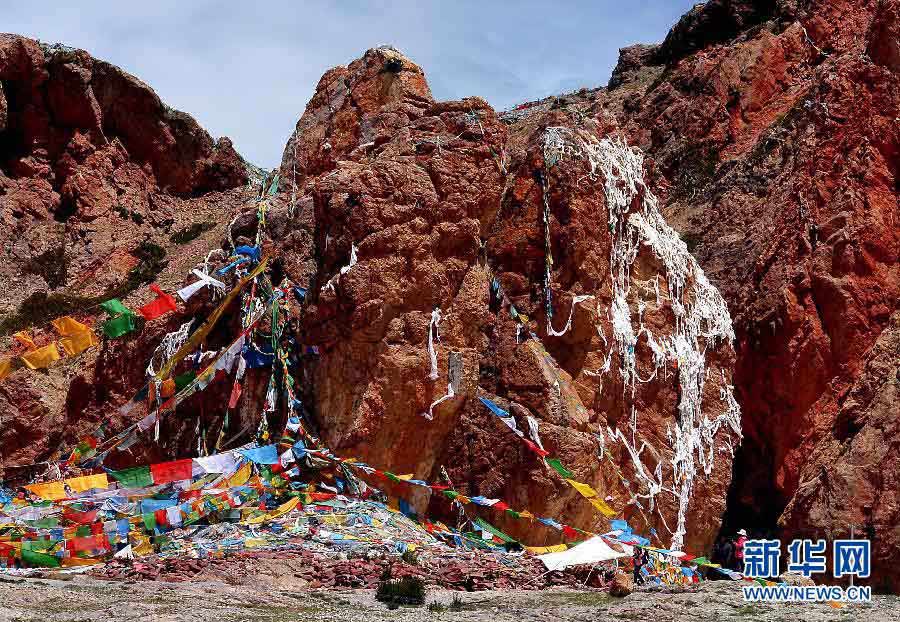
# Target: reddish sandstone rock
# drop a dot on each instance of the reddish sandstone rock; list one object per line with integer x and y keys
{"x": 96, "y": 177}
{"x": 781, "y": 147}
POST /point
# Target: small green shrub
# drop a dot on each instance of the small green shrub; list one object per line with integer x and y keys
{"x": 403, "y": 591}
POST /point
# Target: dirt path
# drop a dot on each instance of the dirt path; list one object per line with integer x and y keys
{"x": 84, "y": 599}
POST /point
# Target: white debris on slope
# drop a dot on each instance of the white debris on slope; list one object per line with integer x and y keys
{"x": 344, "y": 270}
{"x": 701, "y": 317}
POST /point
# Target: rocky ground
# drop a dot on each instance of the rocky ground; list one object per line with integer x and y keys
{"x": 86, "y": 599}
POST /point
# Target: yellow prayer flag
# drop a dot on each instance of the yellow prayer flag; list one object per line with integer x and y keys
{"x": 25, "y": 339}
{"x": 406, "y": 477}
{"x": 540, "y": 550}
{"x": 67, "y": 326}
{"x": 76, "y": 337}
{"x": 5, "y": 368}
{"x": 42, "y": 357}
{"x": 463, "y": 499}
{"x": 584, "y": 489}
{"x": 78, "y": 343}
{"x": 281, "y": 510}
{"x": 603, "y": 507}
{"x": 49, "y": 491}
{"x": 526, "y": 514}
{"x": 88, "y": 482}
{"x": 240, "y": 476}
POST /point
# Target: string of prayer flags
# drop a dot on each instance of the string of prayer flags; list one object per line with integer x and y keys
{"x": 200, "y": 334}
{"x": 591, "y": 495}
{"x": 163, "y": 304}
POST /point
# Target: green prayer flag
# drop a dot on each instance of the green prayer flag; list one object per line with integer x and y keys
{"x": 451, "y": 494}
{"x": 137, "y": 477}
{"x": 34, "y": 559}
{"x": 114, "y": 307}
{"x": 513, "y": 513}
{"x": 486, "y": 526}
{"x": 392, "y": 477}
{"x": 149, "y": 521}
{"x": 119, "y": 326}
{"x": 559, "y": 468}
{"x": 700, "y": 561}
{"x": 184, "y": 380}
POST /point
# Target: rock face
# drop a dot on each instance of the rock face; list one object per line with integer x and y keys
{"x": 782, "y": 150}
{"x": 542, "y": 258}
{"x": 427, "y": 222}
{"x": 102, "y": 189}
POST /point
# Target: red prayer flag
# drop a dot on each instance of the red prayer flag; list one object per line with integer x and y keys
{"x": 235, "y": 395}
{"x": 500, "y": 505}
{"x": 162, "y": 305}
{"x": 80, "y": 518}
{"x": 569, "y": 533}
{"x": 166, "y": 472}
{"x": 542, "y": 453}
{"x": 161, "y": 517}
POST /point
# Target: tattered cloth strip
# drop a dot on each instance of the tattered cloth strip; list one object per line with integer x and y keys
{"x": 187, "y": 291}
{"x": 163, "y": 304}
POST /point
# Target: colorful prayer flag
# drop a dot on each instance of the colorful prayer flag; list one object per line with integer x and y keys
{"x": 174, "y": 471}
{"x": 41, "y": 358}
{"x": 136, "y": 477}
{"x": 163, "y": 304}
{"x": 559, "y": 468}
{"x": 118, "y": 326}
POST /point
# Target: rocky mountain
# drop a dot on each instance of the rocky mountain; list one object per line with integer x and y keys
{"x": 684, "y": 285}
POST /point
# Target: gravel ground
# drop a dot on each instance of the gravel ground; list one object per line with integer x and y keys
{"x": 83, "y": 599}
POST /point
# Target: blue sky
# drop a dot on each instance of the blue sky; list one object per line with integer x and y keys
{"x": 246, "y": 70}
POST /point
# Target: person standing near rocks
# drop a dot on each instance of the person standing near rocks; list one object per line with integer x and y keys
{"x": 739, "y": 550}
{"x": 638, "y": 559}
